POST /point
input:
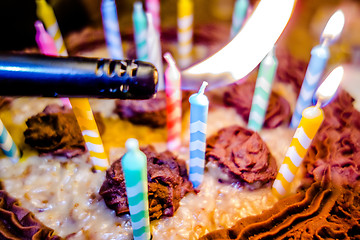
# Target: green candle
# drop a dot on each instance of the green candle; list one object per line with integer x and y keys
{"x": 134, "y": 165}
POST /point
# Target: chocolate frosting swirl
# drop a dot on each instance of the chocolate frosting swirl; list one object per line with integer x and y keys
{"x": 240, "y": 97}
{"x": 336, "y": 146}
{"x": 167, "y": 184}
{"x": 18, "y": 223}
{"x": 322, "y": 212}
{"x": 242, "y": 154}
{"x": 56, "y": 131}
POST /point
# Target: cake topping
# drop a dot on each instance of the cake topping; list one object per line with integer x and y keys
{"x": 56, "y": 131}
{"x": 5, "y": 101}
{"x": 18, "y": 223}
{"x": 242, "y": 154}
{"x": 240, "y": 96}
{"x": 336, "y": 146}
{"x": 167, "y": 184}
{"x": 322, "y": 212}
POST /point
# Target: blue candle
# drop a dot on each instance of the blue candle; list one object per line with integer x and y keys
{"x": 7, "y": 144}
{"x": 239, "y": 15}
{"x": 319, "y": 57}
{"x": 112, "y": 29}
{"x": 140, "y": 31}
{"x": 199, "y": 106}
{"x": 134, "y": 166}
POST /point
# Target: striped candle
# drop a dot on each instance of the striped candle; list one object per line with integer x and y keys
{"x": 153, "y": 7}
{"x": 311, "y": 120}
{"x": 173, "y": 104}
{"x": 239, "y": 16}
{"x": 134, "y": 166}
{"x": 47, "y": 46}
{"x": 154, "y": 51}
{"x": 262, "y": 92}
{"x": 89, "y": 130}
{"x": 46, "y": 14}
{"x": 112, "y": 29}
{"x": 140, "y": 32}
{"x": 185, "y": 32}
{"x": 199, "y": 106}
{"x": 319, "y": 57}
{"x": 7, "y": 144}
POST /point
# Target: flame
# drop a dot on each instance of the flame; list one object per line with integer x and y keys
{"x": 328, "y": 88}
{"x": 249, "y": 46}
{"x": 334, "y": 26}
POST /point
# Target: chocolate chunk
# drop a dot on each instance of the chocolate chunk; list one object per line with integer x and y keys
{"x": 19, "y": 223}
{"x": 336, "y": 146}
{"x": 242, "y": 154}
{"x": 322, "y": 212}
{"x": 167, "y": 184}
{"x": 240, "y": 97}
{"x": 56, "y": 131}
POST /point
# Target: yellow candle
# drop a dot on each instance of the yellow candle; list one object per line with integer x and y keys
{"x": 86, "y": 121}
{"x": 311, "y": 120}
{"x": 185, "y": 32}
{"x": 46, "y": 14}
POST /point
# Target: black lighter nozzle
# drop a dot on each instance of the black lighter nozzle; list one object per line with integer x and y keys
{"x": 39, "y": 75}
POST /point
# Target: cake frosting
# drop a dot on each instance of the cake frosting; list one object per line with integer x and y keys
{"x": 240, "y": 97}
{"x": 321, "y": 212}
{"x": 243, "y": 155}
{"x": 56, "y": 131}
{"x": 4, "y": 101}
{"x": 17, "y": 222}
{"x": 167, "y": 184}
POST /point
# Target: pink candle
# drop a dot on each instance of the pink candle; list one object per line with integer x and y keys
{"x": 153, "y": 7}
{"x": 173, "y": 103}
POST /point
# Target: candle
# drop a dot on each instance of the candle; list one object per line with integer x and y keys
{"x": 154, "y": 50}
{"x": 44, "y": 41}
{"x": 47, "y": 46}
{"x": 153, "y": 7}
{"x": 239, "y": 15}
{"x": 319, "y": 57}
{"x": 173, "y": 104}
{"x": 47, "y": 16}
{"x": 262, "y": 91}
{"x": 199, "y": 106}
{"x": 112, "y": 29}
{"x": 140, "y": 31}
{"x": 134, "y": 166}
{"x": 310, "y": 122}
{"x": 90, "y": 132}
{"x": 8, "y": 145}
{"x": 185, "y": 32}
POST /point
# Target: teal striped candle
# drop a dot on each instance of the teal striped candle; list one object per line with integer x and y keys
{"x": 140, "y": 32}
{"x": 8, "y": 145}
{"x": 134, "y": 165}
{"x": 262, "y": 92}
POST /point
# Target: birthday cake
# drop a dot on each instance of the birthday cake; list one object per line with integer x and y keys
{"x": 55, "y": 179}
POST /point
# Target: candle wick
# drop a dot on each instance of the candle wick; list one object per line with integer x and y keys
{"x": 202, "y": 88}
{"x": 326, "y": 41}
{"x": 318, "y": 104}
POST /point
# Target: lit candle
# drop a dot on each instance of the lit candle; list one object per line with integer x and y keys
{"x": 173, "y": 104}
{"x": 134, "y": 166}
{"x": 140, "y": 31}
{"x": 154, "y": 51}
{"x": 319, "y": 57}
{"x": 262, "y": 92}
{"x": 8, "y": 145}
{"x": 46, "y": 14}
{"x": 239, "y": 15}
{"x": 47, "y": 46}
{"x": 153, "y": 7}
{"x": 199, "y": 106}
{"x": 311, "y": 120}
{"x": 112, "y": 29}
{"x": 185, "y": 32}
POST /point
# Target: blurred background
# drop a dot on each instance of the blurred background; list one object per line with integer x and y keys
{"x": 18, "y": 16}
